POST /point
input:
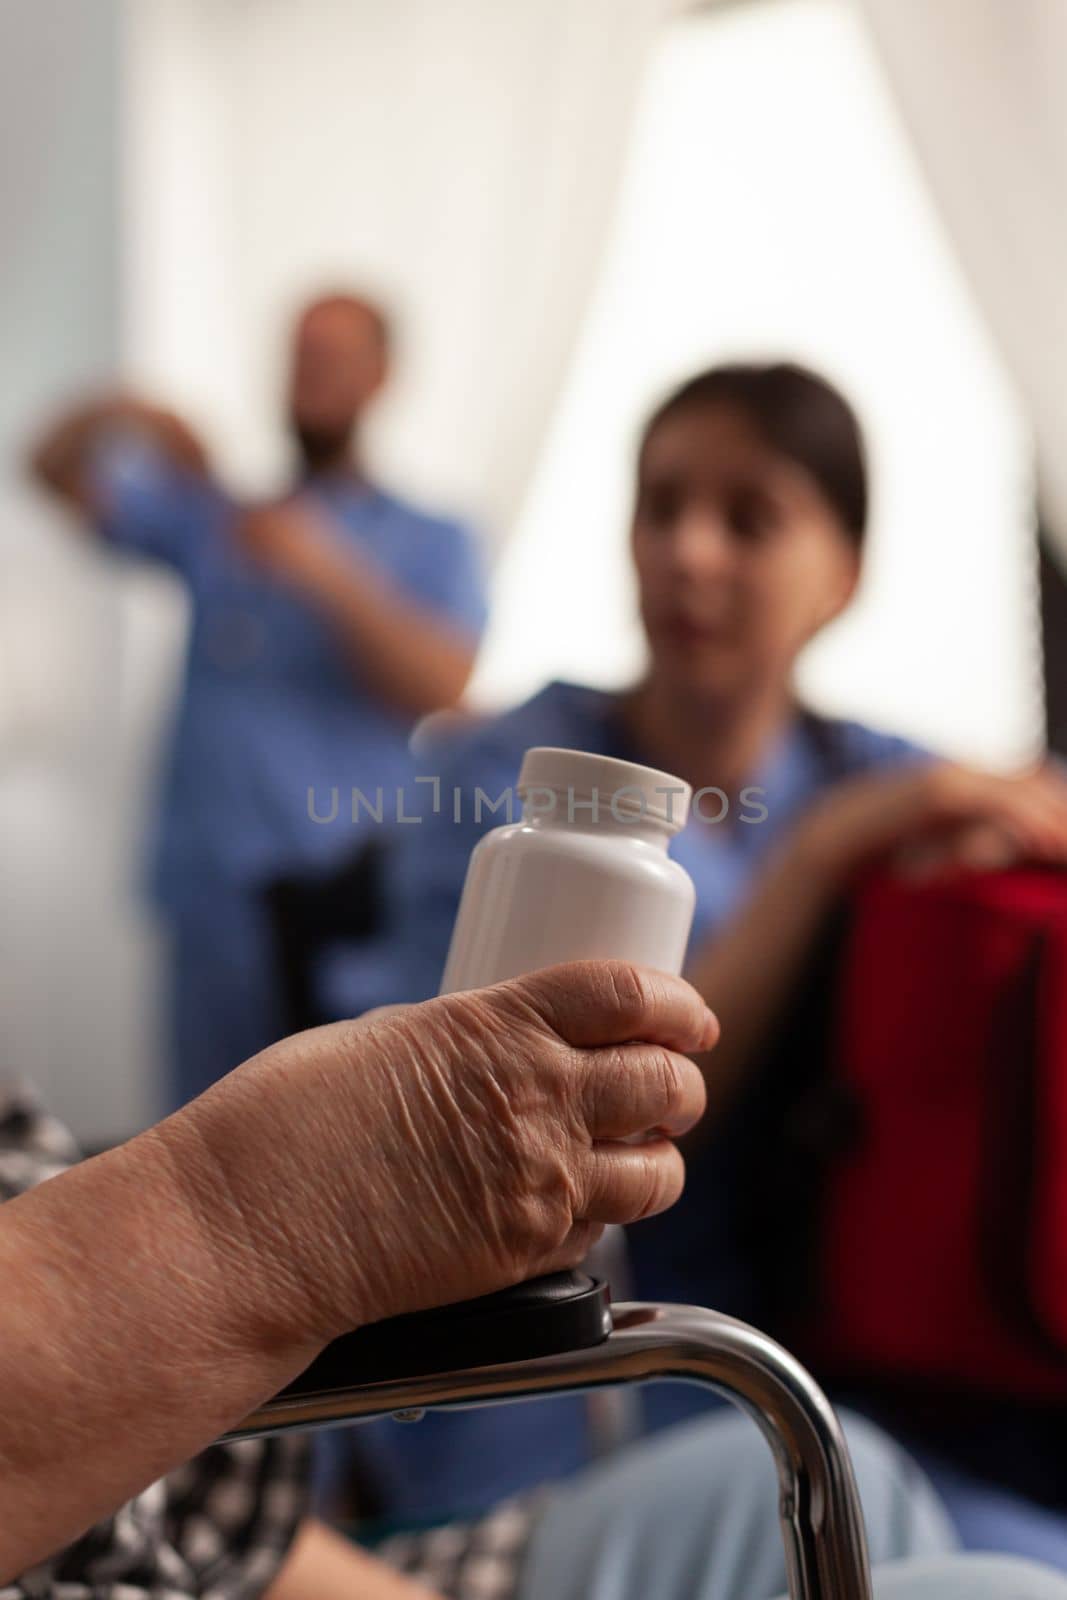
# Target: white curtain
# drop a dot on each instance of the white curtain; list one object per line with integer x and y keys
{"x": 460, "y": 155}
{"x": 982, "y": 85}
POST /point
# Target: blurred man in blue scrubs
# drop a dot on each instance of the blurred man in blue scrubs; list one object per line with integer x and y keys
{"x": 324, "y": 625}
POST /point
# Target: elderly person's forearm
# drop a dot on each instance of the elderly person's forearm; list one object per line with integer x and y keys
{"x": 158, "y": 1293}
{"x": 124, "y": 1348}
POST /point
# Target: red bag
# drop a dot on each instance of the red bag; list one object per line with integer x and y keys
{"x": 943, "y": 1244}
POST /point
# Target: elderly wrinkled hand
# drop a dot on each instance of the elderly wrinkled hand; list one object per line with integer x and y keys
{"x": 445, "y": 1150}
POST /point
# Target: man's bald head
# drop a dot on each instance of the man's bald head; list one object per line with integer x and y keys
{"x": 340, "y": 357}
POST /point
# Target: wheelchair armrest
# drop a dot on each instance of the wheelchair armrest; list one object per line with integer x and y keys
{"x": 545, "y": 1317}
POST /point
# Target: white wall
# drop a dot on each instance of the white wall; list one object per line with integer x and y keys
{"x": 77, "y": 964}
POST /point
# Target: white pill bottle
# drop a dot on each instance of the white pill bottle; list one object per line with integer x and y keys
{"x": 585, "y": 874}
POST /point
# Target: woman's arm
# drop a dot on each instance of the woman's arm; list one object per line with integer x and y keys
{"x": 929, "y": 819}
{"x": 752, "y": 964}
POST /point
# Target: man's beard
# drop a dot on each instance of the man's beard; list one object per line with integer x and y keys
{"x": 321, "y": 448}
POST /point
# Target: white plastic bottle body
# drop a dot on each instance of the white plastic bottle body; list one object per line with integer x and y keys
{"x": 562, "y": 887}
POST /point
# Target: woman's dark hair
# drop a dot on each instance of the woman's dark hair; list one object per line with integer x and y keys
{"x": 797, "y": 414}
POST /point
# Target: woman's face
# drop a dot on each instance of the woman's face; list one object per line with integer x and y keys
{"x": 740, "y": 560}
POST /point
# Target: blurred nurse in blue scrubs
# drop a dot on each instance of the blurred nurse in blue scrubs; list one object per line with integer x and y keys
{"x": 323, "y": 626}
{"x": 749, "y": 519}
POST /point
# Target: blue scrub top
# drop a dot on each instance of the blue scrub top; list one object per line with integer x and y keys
{"x": 272, "y": 711}
{"x": 688, "y": 1255}
{"x": 430, "y": 855}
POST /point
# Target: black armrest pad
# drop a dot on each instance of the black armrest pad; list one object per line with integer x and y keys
{"x": 564, "y": 1311}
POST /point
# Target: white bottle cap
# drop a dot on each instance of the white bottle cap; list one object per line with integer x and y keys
{"x": 622, "y": 790}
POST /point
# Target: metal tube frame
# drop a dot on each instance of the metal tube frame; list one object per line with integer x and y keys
{"x": 821, "y": 1521}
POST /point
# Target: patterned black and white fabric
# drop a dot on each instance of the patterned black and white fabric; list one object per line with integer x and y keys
{"x": 469, "y": 1560}
{"x": 218, "y": 1528}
